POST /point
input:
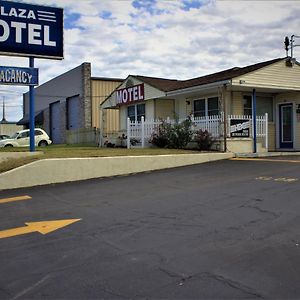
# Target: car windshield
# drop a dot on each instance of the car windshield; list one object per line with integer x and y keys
{"x": 14, "y": 135}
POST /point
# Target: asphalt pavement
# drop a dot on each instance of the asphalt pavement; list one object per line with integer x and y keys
{"x": 219, "y": 230}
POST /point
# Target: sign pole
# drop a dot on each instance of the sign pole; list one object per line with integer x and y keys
{"x": 31, "y": 110}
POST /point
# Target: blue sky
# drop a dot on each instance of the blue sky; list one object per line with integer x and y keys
{"x": 164, "y": 38}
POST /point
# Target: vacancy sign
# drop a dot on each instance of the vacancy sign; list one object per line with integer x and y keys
{"x": 31, "y": 30}
{"x": 19, "y": 76}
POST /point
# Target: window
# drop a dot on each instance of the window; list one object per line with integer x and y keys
{"x": 206, "y": 107}
{"x": 247, "y": 105}
{"x": 131, "y": 112}
{"x": 24, "y": 134}
{"x": 213, "y": 106}
{"x": 264, "y": 105}
{"x": 38, "y": 132}
{"x": 136, "y": 112}
{"x": 199, "y": 108}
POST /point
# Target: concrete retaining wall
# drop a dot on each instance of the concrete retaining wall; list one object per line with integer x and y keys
{"x": 49, "y": 171}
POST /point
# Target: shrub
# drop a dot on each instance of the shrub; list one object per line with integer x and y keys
{"x": 181, "y": 134}
{"x": 160, "y": 137}
{"x": 204, "y": 139}
{"x": 176, "y": 135}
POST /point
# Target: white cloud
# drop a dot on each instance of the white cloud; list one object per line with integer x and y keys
{"x": 168, "y": 41}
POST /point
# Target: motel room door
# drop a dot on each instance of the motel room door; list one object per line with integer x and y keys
{"x": 286, "y": 126}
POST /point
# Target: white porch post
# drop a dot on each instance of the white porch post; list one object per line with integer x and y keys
{"x": 128, "y": 133}
{"x": 143, "y": 132}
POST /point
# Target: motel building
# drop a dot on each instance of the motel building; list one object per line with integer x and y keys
{"x": 221, "y": 102}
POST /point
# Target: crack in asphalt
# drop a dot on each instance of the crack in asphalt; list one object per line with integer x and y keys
{"x": 234, "y": 284}
{"x": 202, "y": 275}
{"x": 263, "y": 211}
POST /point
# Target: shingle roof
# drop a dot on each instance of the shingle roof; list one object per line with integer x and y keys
{"x": 162, "y": 84}
{"x": 167, "y": 85}
{"x": 223, "y": 75}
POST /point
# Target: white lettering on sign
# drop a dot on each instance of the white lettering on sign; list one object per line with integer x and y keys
{"x": 240, "y": 126}
{"x": 33, "y": 34}
{"x": 130, "y": 94}
{"x": 17, "y": 12}
{"x": 15, "y": 76}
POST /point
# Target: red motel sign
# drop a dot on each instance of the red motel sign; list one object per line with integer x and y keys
{"x": 130, "y": 94}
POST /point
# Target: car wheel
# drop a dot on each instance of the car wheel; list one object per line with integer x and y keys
{"x": 8, "y": 146}
{"x": 43, "y": 144}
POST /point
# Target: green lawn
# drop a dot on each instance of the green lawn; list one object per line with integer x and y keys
{"x": 68, "y": 151}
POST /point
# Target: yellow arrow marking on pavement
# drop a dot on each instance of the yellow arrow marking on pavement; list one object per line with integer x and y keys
{"x": 19, "y": 198}
{"x": 43, "y": 227}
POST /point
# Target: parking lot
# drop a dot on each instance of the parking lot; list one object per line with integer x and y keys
{"x": 227, "y": 229}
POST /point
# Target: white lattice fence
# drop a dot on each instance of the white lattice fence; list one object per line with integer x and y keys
{"x": 141, "y": 131}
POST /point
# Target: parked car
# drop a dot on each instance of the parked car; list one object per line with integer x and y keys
{"x": 21, "y": 139}
{"x": 4, "y": 136}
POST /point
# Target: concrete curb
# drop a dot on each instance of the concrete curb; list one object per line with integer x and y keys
{"x": 48, "y": 171}
{"x": 266, "y": 154}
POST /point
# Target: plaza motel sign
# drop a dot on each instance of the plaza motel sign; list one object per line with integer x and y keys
{"x": 31, "y": 31}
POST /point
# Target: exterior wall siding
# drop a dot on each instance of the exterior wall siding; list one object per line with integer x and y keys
{"x": 237, "y": 107}
{"x": 181, "y": 108}
{"x": 276, "y": 75}
{"x": 164, "y": 108}
{"x": 111, "y": 120}
{"x": 101, "y": 89}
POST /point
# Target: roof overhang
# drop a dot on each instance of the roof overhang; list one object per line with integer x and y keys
{"x": 262, "y": 88}
{"x": 39, "y": 117}
{"x": 198, "y": 89}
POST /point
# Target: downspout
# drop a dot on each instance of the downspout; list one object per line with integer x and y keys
{"x": 254, "y": 119}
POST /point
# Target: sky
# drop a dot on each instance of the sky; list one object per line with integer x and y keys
{"x": 178, "y": 39}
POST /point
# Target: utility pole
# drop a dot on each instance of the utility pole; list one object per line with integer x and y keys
{"x": 290, "y": 44}
{"x": 3, "y": 112}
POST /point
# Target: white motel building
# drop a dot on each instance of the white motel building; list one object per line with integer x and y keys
{"x": 222, "y": 103}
